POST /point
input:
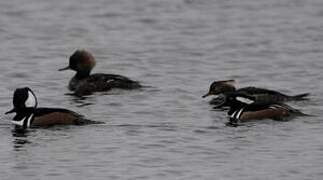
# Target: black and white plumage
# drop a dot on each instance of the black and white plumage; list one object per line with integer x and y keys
{"x": 245, "y": 108}
{"x": 83, "y": 83}
{"x": 28, "y": 115}
{"x": 260, "y": 94}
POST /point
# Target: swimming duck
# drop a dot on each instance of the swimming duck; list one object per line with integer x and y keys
{"x": 260, "y": 94}
{"x": 28, "y": 115}
{"x": 84, "y": 83}
{"x": 245, "y": 108}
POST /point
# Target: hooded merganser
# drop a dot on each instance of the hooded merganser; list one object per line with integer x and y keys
{"x": 260, "y": 94}
{"x": 245, "y": 108}
{"x": 83, "y": 83}
{"x": 28, "y": 115}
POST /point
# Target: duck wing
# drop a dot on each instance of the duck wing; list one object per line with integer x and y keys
{"x": 57, "y": 116}
{"x": 104, "y": 82}
{"x": 255, "y": 91}
{"x": 116, "y": 81}
{"x": 265, "y": 95}
{"x": 268, "y": 95}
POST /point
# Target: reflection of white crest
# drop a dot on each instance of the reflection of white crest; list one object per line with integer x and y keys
{"x": 245, "y": 100}
{"x": 31, "y": 100}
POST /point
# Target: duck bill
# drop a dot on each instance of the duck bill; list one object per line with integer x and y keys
{"x": 63, "y": 69}
{"x": 206, "y": 95}
{"x": 11, "y": 111}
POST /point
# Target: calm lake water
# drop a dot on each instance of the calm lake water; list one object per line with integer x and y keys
{"x": 177, "y": 48}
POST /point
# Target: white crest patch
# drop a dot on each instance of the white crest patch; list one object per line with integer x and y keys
{"x": 245, "y": 100}
{"x": 31, "y": 100}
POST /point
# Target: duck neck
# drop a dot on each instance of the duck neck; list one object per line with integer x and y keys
{"x": 82, "y": 74}
{"x": 228, "y": 89}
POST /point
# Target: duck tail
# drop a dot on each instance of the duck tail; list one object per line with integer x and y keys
{"x": 300, "y": 96}
{"x": 293, "y": 111}
{"x": 300, "y": 113}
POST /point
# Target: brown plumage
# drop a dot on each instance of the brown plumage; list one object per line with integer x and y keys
{"x": 245, "y": 108}
{"x": 264, "y": 114}
{"x": 55, "y": 118}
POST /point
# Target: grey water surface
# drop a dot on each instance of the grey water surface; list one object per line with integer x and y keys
{"x": 176, "y": 48}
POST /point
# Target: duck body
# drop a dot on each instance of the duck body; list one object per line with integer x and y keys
{"x": 245, "y": 108}
{"x": 100, "y": 82}
{"x": 29, "y": 116}
{"x": 44, "y": 117}
{"x": 84, "y": 83}
{"x": 260, "y": 94}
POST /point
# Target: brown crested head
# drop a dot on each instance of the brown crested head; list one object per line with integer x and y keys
{"x": 81, "y": 60}
{"x": 221, "y": 87}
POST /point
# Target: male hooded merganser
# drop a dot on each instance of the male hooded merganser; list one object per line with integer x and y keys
{"x": 260, "y": 94}
{"x": 83, "y": 83}
{"x": 245, "y": 108}
{"x": 28, "y": 115}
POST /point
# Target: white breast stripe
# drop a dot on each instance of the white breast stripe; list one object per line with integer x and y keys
{"x": 239, "y": 114}
{"x": 29, "y": 120}
{"x": 245, "y": 100}
{"x": 236, "y": 114}
{"x": 31, "y": 100}
{"x": 21, "y": 122}
{"x": 233, "y": 114}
